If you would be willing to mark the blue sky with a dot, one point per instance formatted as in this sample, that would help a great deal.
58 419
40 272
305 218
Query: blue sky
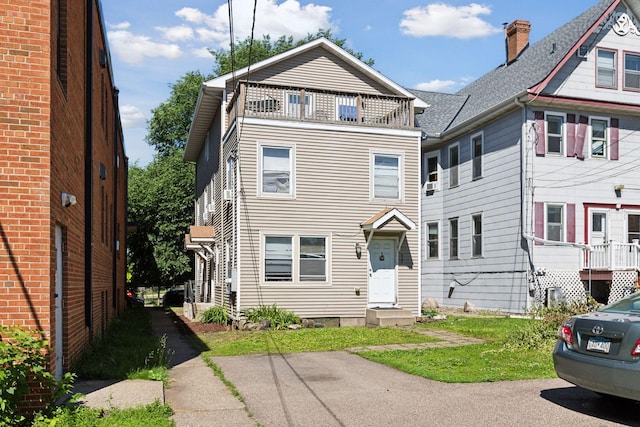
429 45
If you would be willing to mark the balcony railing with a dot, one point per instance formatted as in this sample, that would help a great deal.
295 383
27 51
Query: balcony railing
612 256
325 106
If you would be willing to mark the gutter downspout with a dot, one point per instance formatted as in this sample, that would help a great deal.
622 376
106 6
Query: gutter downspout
88 172
116 164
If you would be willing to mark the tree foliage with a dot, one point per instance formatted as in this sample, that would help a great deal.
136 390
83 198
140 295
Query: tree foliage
168 128
246 52
161 204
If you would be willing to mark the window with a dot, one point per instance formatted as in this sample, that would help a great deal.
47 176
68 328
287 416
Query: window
313 259
432 240
555 139
555 223
599 138
432 169
476 244
606 68
386 176
454 161
476 155
295 105
347 108
632 71
61 43
453 238
230 174
310 253
633 228
276 168
278 259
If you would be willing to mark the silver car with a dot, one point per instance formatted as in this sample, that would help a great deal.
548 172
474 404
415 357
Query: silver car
600 351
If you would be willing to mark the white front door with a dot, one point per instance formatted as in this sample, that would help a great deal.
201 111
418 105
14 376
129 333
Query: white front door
599 228
382 273
58 304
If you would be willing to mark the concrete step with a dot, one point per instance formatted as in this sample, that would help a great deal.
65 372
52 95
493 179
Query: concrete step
389 317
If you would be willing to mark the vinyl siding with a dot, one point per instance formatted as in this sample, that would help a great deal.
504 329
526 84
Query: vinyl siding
332 198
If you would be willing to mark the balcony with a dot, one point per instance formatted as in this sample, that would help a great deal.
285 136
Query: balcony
612 256
277 102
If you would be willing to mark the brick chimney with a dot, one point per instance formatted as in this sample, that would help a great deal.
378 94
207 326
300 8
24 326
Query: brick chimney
517 38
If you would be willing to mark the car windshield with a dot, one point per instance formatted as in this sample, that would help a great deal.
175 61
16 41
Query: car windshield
630 305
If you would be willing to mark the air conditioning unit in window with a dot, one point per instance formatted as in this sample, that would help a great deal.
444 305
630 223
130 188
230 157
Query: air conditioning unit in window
227 195
431 186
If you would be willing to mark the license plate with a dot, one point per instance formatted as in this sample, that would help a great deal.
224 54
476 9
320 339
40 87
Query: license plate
599 344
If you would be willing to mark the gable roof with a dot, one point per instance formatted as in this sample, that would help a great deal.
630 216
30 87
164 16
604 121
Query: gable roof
502 85
211 92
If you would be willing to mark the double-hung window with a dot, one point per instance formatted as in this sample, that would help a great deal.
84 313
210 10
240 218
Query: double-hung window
433 237
555 223
606 68
347 108
555 134
476 238
453 238
632 71
476 155
309 253
276 174
599 137
386 176
454 161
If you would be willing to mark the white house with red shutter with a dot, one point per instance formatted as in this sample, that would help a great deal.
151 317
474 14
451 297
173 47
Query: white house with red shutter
530 173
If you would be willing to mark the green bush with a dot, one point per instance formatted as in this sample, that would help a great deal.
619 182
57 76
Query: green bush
217 315
24 364
279 318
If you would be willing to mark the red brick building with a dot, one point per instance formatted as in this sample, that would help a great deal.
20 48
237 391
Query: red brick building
63 175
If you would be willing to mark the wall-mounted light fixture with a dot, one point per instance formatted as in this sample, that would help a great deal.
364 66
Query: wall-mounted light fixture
618 189
68 200
358 251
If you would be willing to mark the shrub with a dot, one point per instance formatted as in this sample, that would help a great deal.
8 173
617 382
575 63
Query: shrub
23 366
279 318
217 315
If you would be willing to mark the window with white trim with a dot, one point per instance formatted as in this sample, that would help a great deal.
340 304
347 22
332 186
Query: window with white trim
386 176
453 238
555 133
454 161
433 238
308 251
555 223
631 71
599 137
606 68
295 105
276 170
476 235
477 148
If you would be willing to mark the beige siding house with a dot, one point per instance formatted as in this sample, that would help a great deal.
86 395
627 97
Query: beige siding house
308 178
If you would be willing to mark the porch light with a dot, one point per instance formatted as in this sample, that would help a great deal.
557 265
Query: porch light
358 251
618 190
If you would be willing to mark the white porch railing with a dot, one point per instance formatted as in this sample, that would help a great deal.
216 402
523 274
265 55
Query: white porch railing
612 256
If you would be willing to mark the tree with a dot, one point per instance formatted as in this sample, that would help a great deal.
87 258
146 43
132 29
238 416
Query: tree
161 204
246 51
168 128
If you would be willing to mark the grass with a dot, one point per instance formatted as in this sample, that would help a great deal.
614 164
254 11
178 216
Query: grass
234 343
495 360
128 350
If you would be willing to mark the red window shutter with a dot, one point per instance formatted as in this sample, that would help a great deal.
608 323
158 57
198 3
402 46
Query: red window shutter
571 223
571 135
539 220
580 136
614 137
541 142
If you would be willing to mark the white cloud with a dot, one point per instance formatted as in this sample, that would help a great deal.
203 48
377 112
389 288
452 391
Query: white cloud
440 19
132 117
202 52
281 19
133 48
121 26
178 33
438 86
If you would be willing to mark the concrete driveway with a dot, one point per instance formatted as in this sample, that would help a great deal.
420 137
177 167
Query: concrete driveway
342 389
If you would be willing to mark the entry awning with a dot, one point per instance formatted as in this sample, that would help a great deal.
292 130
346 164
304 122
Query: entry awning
200 239
389 218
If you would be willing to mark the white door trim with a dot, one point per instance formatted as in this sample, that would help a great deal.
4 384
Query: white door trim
382 284
59 348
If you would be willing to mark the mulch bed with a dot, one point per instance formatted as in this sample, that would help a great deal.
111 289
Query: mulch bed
187 327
